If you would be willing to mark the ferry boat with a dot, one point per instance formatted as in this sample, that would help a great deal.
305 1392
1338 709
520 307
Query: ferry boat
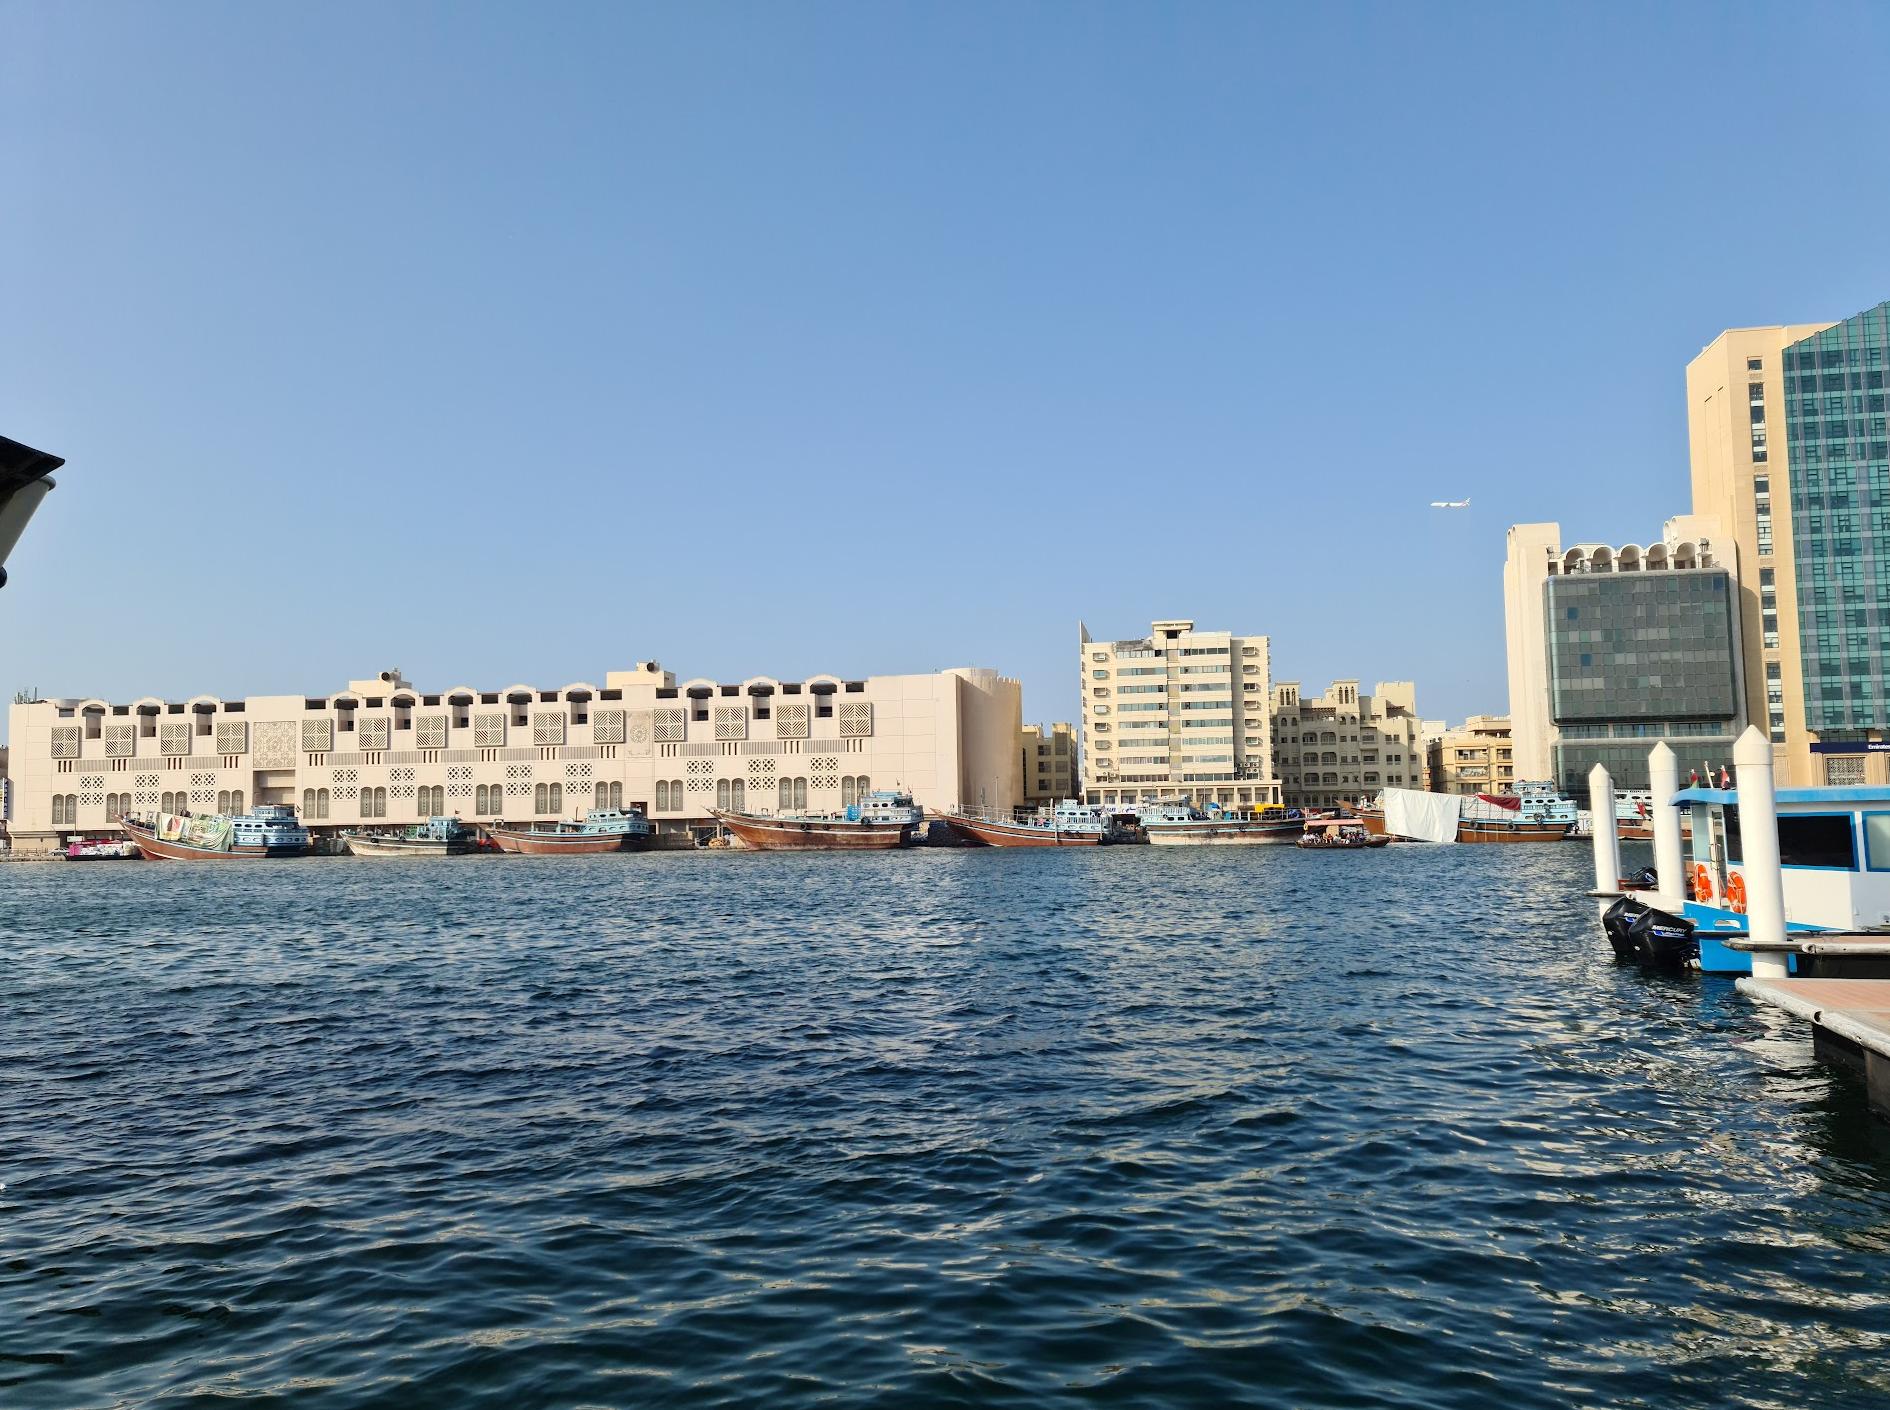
1532 812
436 837
602 830
1069 824
265 831
1339 834
1834 844
886 819
96 849
1182 825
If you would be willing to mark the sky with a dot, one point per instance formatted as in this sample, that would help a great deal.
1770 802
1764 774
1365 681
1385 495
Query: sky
517 343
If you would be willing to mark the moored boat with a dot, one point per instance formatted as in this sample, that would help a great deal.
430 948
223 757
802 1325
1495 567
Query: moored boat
1535 812
264 831
96 849
884 820
601 830
1182 825
1339 834
1069 824
436 837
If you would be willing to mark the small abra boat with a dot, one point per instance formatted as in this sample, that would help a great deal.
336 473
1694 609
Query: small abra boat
1181 825
267 831
1340 835
886 819
1070 824
602 830
436 837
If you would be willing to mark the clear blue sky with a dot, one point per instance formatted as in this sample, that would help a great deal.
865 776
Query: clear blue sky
518 342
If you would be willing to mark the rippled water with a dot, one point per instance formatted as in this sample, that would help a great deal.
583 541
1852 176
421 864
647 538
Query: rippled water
1126 1127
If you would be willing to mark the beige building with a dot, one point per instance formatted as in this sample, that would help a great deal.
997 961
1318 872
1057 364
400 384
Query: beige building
1048 760
1476 757
1343 745
1738 445
382 750
1177 714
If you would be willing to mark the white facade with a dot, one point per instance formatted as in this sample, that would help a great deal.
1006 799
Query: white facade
1177 714
381 750
1344 745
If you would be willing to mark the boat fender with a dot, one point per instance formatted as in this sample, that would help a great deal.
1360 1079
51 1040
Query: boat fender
1736 894
1702 884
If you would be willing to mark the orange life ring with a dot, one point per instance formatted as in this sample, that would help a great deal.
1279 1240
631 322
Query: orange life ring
1702 883
1736 893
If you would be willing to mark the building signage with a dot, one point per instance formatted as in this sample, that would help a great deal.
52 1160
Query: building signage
1851 746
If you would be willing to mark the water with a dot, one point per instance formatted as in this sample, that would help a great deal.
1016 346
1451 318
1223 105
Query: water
1126 1127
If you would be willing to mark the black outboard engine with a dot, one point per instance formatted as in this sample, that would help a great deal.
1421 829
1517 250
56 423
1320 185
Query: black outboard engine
1617 920
1647 877
1663 941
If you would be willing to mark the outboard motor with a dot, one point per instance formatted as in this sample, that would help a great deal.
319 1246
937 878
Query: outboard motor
1663 941
1617 921
1647 877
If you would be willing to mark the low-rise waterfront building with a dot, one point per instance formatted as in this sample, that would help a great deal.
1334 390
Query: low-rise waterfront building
383 750
1476 757
1179 714
1343 745
1613 648
1047 757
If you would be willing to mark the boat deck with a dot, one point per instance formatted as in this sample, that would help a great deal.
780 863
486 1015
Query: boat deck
1850 1024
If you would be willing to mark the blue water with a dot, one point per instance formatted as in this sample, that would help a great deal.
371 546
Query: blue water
1127 1127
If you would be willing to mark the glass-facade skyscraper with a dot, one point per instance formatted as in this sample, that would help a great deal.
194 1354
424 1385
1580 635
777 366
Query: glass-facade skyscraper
1839 476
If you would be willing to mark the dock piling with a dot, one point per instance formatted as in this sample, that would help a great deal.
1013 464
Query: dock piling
1758 832
1663 777
1606 831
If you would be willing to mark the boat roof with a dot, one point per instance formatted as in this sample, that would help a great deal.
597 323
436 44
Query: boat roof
1865 794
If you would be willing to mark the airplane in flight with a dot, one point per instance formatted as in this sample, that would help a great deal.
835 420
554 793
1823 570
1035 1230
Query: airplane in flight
1450 504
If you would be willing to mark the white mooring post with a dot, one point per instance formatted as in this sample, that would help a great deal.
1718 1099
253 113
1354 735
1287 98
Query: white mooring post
1607 833
1758 836
1663 777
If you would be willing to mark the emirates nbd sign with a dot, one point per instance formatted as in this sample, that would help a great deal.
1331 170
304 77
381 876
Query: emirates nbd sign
1850 746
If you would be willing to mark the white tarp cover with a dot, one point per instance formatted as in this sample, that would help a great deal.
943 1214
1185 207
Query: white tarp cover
1423 817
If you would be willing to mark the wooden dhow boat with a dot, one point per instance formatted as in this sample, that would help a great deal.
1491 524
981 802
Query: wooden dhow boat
1182 825
1535 812
1069 824
1340 834
602 830
267 831
884 820
436 837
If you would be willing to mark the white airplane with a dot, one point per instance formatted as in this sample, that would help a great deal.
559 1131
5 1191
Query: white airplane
25 479
1450 504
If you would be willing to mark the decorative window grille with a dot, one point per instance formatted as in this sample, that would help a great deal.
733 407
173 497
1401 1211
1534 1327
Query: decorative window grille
702 775
430 732
489 730
65 742
607 727
669 726
761 773
791 719
548 727
174 738
374 732
824 772
459 781
731 722
856 717
120 741
577 777
318 736
233 737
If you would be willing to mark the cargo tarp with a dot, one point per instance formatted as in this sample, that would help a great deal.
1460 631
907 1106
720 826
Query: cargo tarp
1422 817
210 833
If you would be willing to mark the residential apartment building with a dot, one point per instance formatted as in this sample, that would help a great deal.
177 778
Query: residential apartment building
1343 745
1476 757
1177 714
1048 760
1740 442
382 750
1614 648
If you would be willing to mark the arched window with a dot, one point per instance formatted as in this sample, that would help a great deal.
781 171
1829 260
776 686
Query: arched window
557 798
675 794
58 809
541 799
433 801
800 793
785 792
374 802
721 794
223 801
616 796
736 792
662 795
482 798
321 802
846 791
862 786
236 800
602 795
308 802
